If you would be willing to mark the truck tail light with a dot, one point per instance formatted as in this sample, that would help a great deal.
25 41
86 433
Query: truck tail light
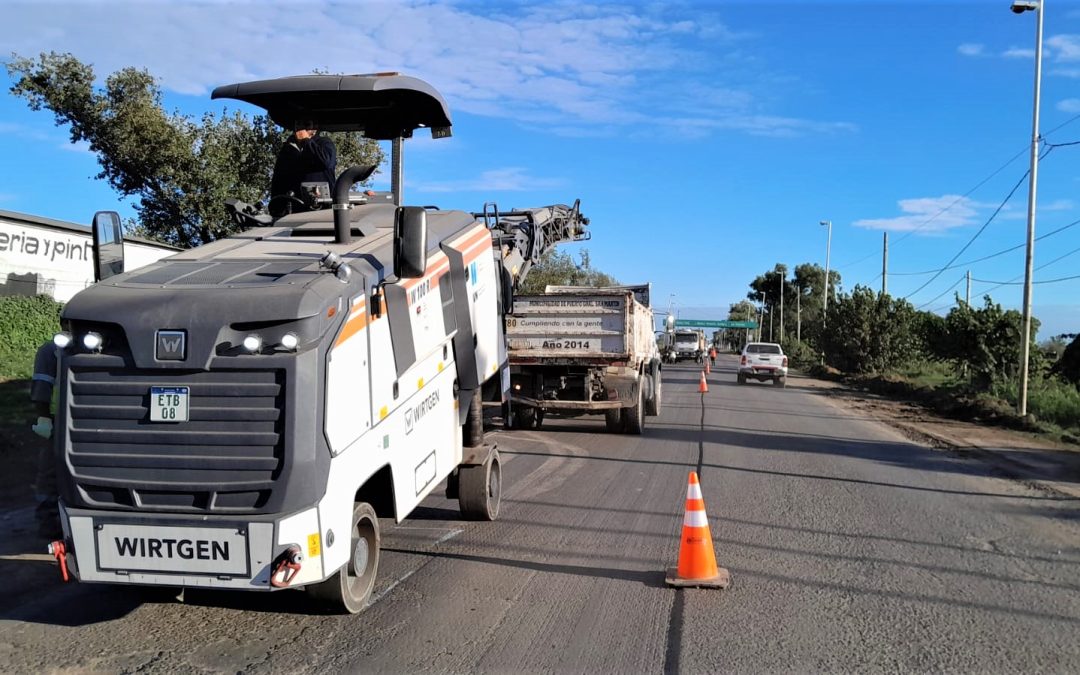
785 362
742 361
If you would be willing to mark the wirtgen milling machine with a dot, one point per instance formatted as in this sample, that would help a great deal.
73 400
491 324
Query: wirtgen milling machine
240 414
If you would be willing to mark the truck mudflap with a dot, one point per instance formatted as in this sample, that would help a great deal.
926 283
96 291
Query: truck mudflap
193 552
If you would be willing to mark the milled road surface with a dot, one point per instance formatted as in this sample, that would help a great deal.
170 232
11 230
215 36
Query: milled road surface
851 549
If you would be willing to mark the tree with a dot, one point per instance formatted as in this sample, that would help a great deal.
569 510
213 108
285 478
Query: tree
742 310
1068 366
179 171
869 332
557 268
984 342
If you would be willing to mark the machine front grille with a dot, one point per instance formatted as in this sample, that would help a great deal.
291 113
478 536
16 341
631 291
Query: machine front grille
226 458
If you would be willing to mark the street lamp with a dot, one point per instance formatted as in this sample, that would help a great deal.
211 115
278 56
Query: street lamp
1019 7
828 247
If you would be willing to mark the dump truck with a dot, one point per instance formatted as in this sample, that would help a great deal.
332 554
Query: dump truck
687 345
576 351
241 414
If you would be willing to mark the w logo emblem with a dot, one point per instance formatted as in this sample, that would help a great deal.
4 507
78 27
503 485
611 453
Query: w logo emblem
170 345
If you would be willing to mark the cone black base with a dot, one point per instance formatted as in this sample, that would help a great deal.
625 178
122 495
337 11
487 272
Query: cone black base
721 580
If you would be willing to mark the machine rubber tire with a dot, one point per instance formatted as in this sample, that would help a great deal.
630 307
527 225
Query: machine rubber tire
634 417
524 418
348 590
473 430
653 405
741 378
480 489
780 382
452 483
613 420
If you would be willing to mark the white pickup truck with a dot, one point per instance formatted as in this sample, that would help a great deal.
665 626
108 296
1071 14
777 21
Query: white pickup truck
576 351
763 361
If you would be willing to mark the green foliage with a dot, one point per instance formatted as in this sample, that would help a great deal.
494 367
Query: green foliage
868 332
1049 400
25 322
179 170
984 343
801 356
557 268
1067 367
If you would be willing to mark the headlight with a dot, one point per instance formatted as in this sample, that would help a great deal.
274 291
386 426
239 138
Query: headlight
290 341
62 340
252 343
92 341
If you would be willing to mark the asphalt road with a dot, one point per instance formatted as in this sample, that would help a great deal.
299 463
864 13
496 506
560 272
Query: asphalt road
850 548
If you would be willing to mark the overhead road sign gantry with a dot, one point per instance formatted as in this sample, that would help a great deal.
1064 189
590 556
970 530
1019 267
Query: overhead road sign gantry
719 323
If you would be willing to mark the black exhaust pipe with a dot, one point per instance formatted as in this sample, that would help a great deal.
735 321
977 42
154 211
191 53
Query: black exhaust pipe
342 226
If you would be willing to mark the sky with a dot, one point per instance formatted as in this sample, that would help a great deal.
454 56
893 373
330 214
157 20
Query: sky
706 140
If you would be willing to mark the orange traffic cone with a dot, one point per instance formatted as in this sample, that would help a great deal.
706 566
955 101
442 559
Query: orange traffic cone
707 369
697 560
703 386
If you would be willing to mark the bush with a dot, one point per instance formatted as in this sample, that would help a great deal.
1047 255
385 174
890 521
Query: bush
801 356
1049 400
25 322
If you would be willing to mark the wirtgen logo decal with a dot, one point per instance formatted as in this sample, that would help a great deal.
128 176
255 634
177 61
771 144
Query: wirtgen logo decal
417 412
170 345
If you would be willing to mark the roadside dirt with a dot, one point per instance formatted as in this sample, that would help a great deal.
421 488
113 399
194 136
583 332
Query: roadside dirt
1026 456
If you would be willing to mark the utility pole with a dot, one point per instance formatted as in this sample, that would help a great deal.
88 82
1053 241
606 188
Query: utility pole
967 296
798 314
761 316
885 265
783 281
772 310
1025 336
828 248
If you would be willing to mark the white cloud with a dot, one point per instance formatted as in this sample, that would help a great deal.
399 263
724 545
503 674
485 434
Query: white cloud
80 147
928 215
1058 205
1019 53
566 65
1069 105
509 179
1063 48
971 49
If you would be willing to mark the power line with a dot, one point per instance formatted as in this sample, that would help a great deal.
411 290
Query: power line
976 235
988 257
946 208
1018 283
1042 138
958 282
1014 281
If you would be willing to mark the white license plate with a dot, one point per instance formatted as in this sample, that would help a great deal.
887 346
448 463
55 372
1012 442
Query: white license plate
188 550
169 404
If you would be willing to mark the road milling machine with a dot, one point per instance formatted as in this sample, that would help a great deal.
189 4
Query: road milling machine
241 414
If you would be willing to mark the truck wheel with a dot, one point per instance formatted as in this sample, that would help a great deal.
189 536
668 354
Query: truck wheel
524 418
652 406
474 423
779 382
741 378
634 417
452 485
350 587
480 489
539 417
613 420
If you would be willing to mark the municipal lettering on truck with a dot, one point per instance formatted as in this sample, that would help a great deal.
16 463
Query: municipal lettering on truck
577 351
240 415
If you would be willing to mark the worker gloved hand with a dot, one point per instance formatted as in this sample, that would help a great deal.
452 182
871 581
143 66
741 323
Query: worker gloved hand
43 427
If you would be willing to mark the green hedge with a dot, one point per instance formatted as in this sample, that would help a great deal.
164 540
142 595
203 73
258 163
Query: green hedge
25 322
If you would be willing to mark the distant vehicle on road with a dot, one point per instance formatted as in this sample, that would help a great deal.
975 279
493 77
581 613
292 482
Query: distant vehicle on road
763 361
687 345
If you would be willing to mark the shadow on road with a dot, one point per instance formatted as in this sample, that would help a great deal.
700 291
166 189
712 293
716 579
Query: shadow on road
650 578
